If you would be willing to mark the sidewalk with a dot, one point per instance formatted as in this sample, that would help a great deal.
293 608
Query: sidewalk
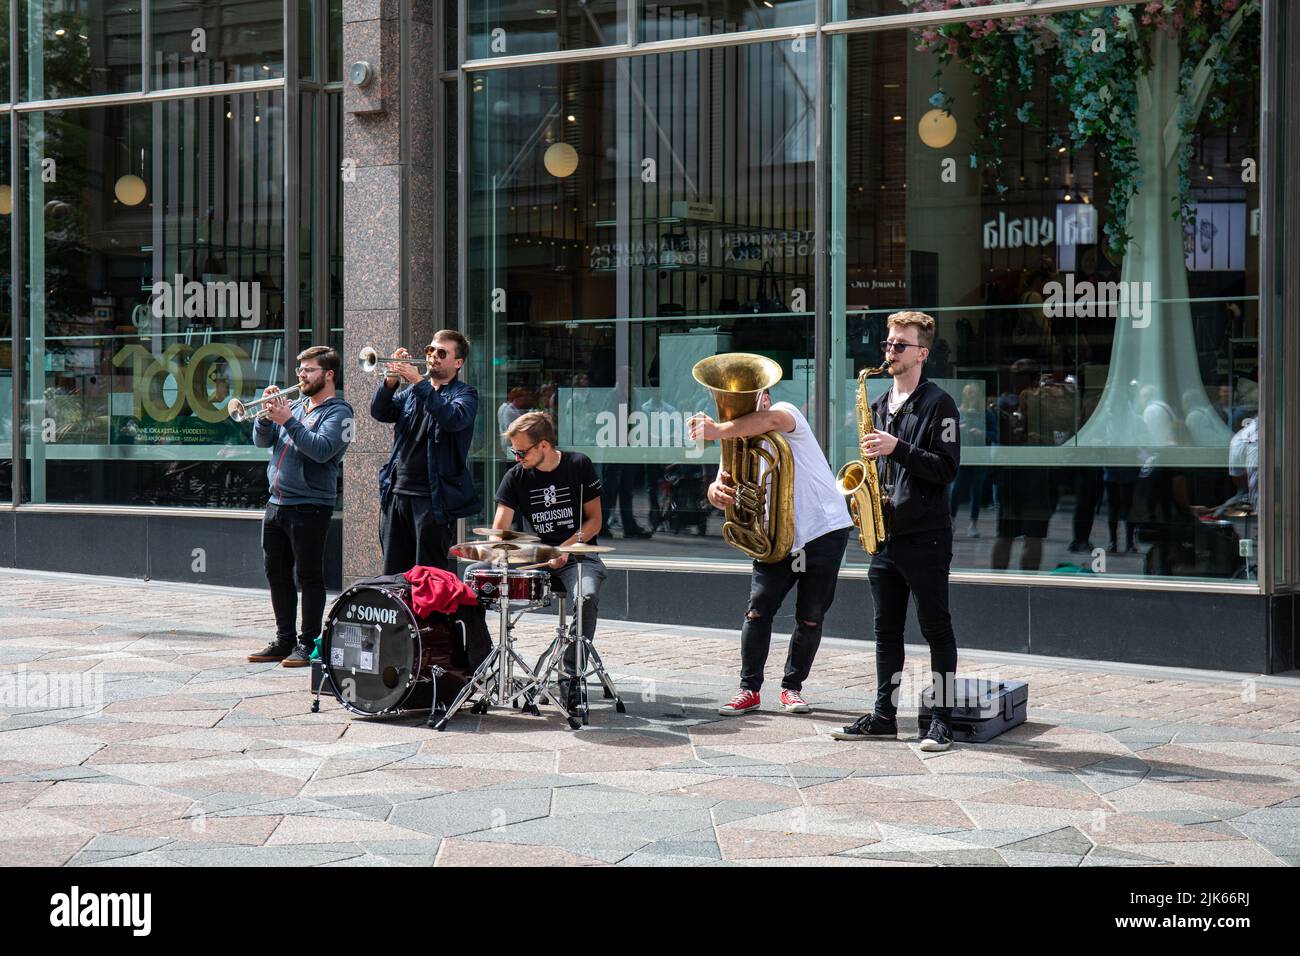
194 757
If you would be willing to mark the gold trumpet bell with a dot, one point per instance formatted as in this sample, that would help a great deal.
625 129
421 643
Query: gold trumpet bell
736 379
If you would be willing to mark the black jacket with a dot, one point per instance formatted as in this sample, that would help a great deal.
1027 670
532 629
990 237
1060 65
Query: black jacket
915 477
452 492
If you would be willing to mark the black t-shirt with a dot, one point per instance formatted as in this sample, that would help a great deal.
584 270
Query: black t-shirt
547 498
411 477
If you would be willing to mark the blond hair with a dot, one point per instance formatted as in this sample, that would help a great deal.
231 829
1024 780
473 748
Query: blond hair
538 426
923 324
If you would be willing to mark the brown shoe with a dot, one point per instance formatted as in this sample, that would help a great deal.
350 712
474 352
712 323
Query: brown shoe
275 651
300 656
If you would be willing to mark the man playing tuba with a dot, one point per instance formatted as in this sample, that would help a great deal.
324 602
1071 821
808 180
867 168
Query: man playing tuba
821 532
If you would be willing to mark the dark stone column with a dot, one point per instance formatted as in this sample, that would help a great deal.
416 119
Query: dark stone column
390 250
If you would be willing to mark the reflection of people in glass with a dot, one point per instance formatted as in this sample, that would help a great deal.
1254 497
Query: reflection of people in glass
975 423
307 440
1243 460
1026 494
518 400
1120 482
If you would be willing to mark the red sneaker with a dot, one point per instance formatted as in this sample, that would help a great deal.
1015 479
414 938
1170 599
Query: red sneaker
742 703
792 703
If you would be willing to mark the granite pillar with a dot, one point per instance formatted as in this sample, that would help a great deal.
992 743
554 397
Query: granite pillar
390 252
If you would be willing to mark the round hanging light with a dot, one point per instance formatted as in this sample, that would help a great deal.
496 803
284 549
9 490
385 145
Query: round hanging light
937 129
130 190
560 160
6 201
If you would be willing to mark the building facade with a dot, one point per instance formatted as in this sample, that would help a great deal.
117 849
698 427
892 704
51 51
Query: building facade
1091 199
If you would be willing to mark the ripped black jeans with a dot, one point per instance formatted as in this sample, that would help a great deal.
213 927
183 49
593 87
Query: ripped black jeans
770 583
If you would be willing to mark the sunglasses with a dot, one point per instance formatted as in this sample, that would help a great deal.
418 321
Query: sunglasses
440 353
520 455
897 346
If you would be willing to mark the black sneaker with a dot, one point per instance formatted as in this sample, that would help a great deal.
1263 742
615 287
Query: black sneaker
869 727
937 738
300 656
571 691
275 651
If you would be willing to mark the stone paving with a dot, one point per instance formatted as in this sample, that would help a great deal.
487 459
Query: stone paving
182 754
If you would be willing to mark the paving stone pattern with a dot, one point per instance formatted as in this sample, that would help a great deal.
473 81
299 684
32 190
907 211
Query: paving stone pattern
194 757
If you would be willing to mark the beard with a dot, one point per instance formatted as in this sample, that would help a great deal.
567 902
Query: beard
311 388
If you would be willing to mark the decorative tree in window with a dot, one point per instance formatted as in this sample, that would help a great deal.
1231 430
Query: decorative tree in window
1135 81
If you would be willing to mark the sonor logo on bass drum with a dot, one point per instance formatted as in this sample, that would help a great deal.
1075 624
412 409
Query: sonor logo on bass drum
379 615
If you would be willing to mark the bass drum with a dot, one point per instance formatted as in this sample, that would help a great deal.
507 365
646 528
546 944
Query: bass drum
378 656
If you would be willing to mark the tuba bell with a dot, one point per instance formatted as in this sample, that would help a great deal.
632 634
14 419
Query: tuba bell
760 522
859 480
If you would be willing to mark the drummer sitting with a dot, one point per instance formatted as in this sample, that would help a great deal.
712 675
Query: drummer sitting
544 485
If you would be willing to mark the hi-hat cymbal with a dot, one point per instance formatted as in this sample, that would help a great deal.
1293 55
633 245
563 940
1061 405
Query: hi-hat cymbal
485 551
581 548
506 534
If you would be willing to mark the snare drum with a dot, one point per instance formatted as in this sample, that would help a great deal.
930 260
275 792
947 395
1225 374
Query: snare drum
522 588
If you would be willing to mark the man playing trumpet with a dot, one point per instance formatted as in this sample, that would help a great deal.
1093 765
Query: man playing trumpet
307 440
426 484
821 531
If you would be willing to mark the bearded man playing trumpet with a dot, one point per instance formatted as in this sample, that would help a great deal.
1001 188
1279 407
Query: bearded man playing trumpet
426 484
811 567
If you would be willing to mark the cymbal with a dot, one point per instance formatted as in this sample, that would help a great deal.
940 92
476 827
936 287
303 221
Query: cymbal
484 551
506 534
581 548
524 552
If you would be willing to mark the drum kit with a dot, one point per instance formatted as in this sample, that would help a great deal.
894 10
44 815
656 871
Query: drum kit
504 678
382 659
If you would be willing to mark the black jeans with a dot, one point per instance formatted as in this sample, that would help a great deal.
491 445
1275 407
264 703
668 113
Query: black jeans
917 565
411 537
769 584
293 545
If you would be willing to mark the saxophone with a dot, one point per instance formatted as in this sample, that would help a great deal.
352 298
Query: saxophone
859 481
760 522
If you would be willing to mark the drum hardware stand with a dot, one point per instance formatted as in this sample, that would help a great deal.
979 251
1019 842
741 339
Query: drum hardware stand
494 679
552 659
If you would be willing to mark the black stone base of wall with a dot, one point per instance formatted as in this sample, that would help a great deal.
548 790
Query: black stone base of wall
158 547
1232 632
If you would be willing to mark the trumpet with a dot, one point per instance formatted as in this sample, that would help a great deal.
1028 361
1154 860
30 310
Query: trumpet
369 359
256 410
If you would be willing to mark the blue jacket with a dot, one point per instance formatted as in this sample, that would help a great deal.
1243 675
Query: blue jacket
306 452
451 489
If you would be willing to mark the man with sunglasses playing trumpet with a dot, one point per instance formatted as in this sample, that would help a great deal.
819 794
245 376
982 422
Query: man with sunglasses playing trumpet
426 484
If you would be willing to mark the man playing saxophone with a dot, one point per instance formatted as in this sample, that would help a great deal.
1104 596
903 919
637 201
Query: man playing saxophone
917 448
821 531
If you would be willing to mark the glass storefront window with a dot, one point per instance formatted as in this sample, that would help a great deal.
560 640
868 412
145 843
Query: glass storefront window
855 9
1095 282
230 41
629 217
670 20
82 50
154 295
4 51
514 27
6 319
